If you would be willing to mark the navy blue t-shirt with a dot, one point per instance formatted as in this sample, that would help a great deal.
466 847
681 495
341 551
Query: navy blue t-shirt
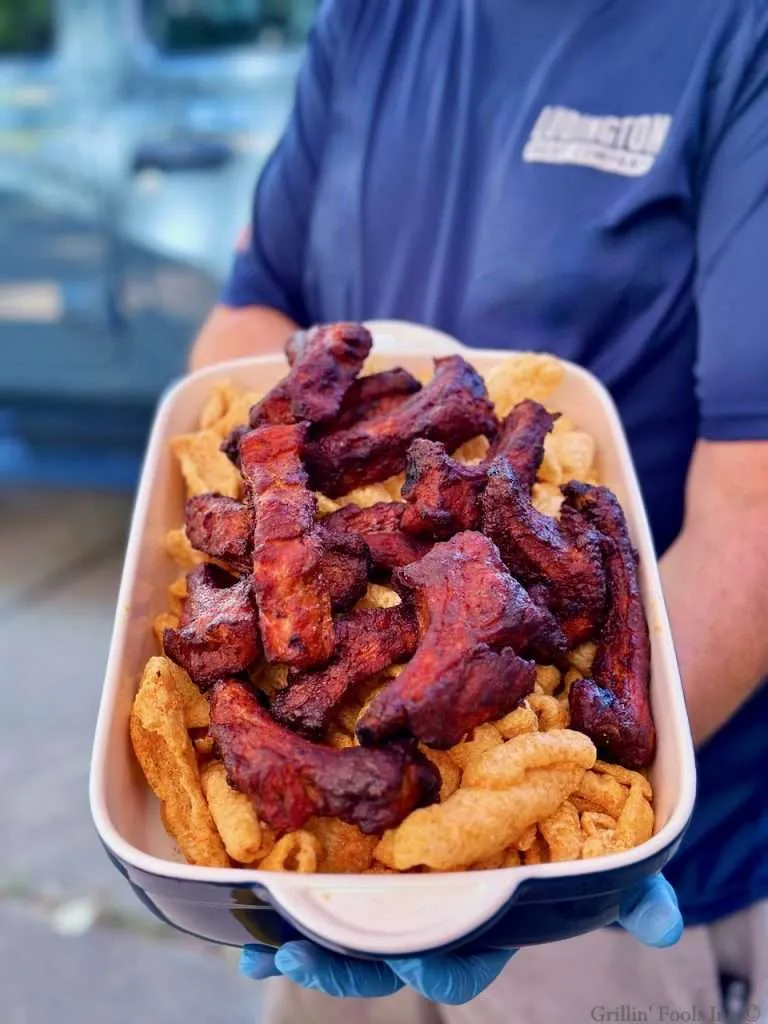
584 177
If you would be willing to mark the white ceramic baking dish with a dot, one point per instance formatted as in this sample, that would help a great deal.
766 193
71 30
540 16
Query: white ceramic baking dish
368 915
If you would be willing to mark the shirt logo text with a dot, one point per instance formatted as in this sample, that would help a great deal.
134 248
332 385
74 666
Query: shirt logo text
616 145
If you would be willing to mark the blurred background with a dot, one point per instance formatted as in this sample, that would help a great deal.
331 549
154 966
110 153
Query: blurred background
131 135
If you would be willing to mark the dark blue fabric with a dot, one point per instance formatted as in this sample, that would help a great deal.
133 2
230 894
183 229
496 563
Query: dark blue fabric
437 169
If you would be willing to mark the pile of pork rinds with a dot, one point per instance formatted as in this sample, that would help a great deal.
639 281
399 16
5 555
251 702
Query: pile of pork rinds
525 789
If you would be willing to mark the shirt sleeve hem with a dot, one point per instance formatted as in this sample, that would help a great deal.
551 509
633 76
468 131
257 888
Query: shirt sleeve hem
734 428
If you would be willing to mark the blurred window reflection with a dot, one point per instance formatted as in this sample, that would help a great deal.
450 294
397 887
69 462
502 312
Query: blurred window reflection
183 26
26 27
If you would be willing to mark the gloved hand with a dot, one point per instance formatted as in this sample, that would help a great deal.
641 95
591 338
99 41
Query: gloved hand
649 912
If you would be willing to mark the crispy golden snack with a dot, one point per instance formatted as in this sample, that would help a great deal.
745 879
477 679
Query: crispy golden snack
551 713
195 705
562 833
227 408
344 849
370 494
233 814
568 456
520 376
204 748
476 823
537 852
506 766
161 622
177 595
633 827
595 822
324 505
547 499
377 596
521 720
297 851
600 792
167 757
548 679
204 466
450 773
581 657
178 548
483 738
511 859
527 839
625 776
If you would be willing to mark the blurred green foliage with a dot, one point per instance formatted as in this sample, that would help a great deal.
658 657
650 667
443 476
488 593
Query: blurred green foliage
26 26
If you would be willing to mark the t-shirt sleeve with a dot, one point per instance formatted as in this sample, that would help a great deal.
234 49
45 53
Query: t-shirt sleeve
268 266
732 241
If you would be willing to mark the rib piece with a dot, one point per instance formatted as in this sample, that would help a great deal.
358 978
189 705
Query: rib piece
474 618
218 633
452 408
444 496
521 440
379 526
367 641
344 566
294 602
613 707
378 394
325 363
558 561
290 779
222 528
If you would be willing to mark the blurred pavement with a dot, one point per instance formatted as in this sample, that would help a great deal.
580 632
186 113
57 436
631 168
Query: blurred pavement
75 944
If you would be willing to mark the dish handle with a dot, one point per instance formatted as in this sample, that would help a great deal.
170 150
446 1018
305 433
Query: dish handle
397 335
384 920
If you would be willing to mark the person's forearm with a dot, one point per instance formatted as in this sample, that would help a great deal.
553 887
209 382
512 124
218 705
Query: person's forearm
231 333
714 583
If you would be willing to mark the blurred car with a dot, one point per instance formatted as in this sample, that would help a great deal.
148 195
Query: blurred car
131 134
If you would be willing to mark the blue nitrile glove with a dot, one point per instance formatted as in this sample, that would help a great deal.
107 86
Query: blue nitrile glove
649 912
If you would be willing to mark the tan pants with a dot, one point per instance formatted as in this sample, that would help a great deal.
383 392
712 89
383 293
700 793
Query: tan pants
603 977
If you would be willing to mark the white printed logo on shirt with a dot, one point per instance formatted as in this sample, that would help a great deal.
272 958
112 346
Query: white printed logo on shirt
616 145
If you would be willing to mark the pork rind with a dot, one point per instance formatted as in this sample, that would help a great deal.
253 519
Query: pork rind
226 408
523 375
204 466
234 816
633 827
178 548
567 456
476 823
297 851
562 833
167 757
343 849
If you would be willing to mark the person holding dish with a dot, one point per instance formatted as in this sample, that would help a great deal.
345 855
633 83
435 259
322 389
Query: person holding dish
588 179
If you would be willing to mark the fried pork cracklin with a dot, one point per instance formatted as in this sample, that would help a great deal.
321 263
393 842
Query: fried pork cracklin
452 408
443 495
218 631
367 641
291 779
474 619
559 561
294 602
613 707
